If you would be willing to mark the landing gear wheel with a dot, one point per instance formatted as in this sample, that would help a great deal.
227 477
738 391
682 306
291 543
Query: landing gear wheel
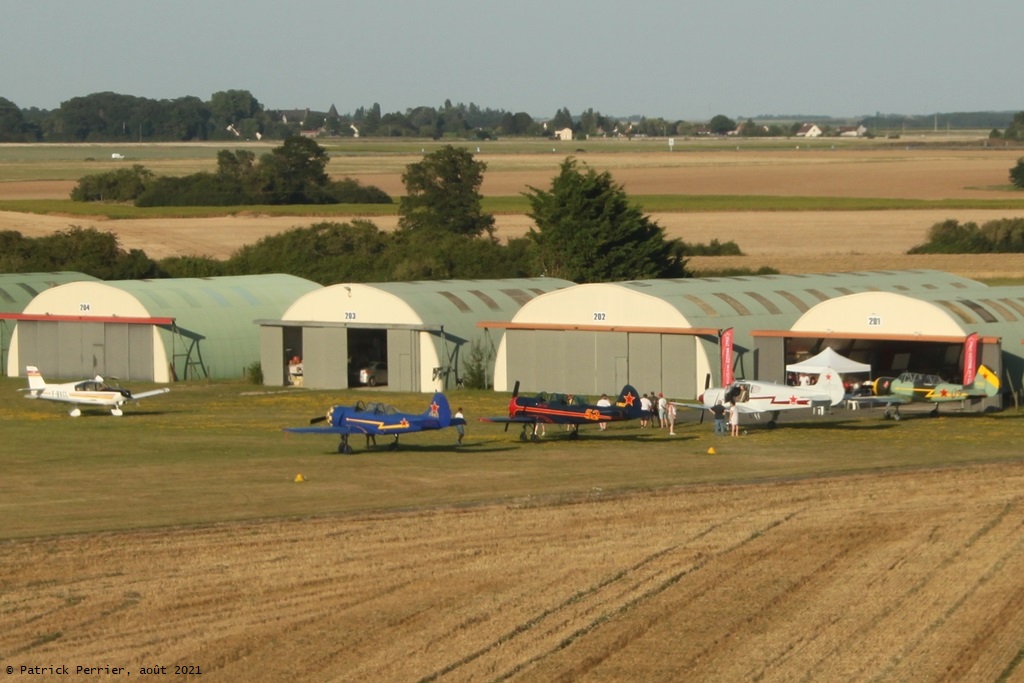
343 446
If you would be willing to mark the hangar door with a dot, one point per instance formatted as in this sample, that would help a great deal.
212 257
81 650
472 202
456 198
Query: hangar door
76 350
575 361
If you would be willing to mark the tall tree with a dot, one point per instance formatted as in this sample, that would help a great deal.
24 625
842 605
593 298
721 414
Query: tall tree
588 231
443 195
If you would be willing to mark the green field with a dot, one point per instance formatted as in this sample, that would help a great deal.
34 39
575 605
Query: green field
214 452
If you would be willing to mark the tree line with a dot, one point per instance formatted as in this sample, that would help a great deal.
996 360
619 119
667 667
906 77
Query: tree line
238 114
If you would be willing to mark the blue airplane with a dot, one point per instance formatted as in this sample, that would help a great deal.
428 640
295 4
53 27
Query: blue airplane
372 419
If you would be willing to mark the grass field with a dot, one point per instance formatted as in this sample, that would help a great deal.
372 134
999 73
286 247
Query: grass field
834 548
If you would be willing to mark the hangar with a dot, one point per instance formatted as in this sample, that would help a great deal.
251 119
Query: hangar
17 290
150 330
924 332
423 332
664 334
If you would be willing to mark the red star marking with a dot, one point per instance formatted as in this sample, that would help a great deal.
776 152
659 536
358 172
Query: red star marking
434 408
943 393
629 399
404 424
793 400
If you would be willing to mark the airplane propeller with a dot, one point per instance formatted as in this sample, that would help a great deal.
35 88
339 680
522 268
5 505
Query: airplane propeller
707 385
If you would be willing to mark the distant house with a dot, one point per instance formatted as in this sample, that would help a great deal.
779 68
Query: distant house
852 131
809 130
564 134
294 115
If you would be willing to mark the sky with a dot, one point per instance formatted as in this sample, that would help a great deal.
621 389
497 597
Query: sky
673 60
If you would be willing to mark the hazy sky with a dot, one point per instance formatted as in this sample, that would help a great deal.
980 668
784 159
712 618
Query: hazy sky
677 60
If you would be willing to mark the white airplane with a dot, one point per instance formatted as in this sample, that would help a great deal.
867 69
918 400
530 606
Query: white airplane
87 392
754 397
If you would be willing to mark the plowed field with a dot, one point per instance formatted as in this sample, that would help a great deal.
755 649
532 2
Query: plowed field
887 577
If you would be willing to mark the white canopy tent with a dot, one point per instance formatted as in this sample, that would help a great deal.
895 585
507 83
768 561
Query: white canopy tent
828 360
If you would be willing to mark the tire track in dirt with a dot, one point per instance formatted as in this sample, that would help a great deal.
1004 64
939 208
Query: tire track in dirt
595 605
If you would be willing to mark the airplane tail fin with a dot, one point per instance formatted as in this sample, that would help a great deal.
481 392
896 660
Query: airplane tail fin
36 383
629 398
440 410
986 381
831 382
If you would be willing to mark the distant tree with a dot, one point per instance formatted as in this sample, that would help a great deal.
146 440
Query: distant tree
1015 131
12 122
1017 174
294 173
561 119
721 124
85 250
588 231
443 195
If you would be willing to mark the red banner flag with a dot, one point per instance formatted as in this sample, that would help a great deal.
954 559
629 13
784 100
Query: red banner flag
725 344
970 358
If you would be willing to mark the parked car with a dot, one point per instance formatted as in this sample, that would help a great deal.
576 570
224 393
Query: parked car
375 372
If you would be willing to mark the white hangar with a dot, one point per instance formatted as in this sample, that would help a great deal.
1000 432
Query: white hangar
926 332
150 330
664 334
423 332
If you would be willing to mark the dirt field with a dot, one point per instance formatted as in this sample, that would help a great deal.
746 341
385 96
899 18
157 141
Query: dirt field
890 577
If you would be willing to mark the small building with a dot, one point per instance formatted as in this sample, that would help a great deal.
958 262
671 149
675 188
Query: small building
424 334
150 330
565 134
809 130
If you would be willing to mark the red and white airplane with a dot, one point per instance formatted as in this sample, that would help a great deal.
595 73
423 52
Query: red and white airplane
87 392
754 397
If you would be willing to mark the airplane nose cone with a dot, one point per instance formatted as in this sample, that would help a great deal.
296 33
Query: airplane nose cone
701 398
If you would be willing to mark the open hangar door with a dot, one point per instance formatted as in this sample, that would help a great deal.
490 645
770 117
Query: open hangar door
887 356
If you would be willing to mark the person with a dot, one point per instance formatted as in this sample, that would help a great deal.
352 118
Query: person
663 410
603 402
645 405
734 418
670 412
461 427
718 412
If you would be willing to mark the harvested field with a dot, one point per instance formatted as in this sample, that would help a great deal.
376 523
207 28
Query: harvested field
886 577
790 241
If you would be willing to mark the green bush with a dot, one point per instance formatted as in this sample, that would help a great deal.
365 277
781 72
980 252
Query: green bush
1004 236
122 185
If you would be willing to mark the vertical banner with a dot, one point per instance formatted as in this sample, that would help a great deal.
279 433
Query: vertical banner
970 358
725 345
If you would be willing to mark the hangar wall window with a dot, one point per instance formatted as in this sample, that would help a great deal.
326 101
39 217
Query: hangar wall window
1014 305
459 303
980 310
517 295
764 301
822 296
736 305
704 306
958 312
491 303
800 305
1000 309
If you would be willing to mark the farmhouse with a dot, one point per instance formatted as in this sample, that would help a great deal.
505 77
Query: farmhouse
422 332
809 130
150 330
664 334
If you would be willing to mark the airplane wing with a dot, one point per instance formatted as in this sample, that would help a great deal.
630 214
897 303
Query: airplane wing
515 420
147 394
891 399
321 430
696 406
